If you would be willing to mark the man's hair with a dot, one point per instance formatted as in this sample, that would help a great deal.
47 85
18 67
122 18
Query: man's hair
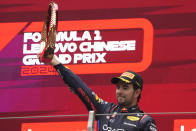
135 87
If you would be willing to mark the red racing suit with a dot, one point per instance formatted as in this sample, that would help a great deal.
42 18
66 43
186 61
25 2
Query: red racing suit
114 122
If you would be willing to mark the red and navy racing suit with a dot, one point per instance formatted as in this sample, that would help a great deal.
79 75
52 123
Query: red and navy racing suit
114 122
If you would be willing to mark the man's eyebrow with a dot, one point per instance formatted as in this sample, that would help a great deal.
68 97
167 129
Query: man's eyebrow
124 84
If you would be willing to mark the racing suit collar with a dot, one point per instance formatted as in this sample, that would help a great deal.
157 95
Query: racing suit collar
129 109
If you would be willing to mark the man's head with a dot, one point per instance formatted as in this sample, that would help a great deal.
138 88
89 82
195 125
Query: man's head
129 86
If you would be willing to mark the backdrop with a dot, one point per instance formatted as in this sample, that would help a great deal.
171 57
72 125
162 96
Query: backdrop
99 40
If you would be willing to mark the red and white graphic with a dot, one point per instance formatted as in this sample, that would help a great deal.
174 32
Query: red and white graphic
56 126
185 125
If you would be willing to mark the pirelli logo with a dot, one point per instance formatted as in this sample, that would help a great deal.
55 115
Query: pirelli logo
128 74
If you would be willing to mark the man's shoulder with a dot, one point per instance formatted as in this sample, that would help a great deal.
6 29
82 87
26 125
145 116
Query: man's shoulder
147 122
109 107
146 117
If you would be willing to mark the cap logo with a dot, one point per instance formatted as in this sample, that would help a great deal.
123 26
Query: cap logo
128 74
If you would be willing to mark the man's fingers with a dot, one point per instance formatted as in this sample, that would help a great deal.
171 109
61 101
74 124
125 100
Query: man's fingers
39 55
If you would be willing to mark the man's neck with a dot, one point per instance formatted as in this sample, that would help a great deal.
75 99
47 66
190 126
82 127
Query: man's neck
131 105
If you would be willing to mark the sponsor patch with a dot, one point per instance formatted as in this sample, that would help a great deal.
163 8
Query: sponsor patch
129 124
133 118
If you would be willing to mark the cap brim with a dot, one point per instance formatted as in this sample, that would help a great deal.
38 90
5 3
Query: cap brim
115 80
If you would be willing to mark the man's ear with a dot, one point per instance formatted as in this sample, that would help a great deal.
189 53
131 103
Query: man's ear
138 92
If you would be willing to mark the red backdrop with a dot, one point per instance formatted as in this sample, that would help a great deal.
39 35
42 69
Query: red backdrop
169 81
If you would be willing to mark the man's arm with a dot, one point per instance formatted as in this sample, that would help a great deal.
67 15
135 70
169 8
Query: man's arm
88 97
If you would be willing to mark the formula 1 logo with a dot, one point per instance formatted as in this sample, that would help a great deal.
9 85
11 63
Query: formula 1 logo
91 46
185 125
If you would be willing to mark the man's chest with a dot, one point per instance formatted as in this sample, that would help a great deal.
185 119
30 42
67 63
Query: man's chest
117 122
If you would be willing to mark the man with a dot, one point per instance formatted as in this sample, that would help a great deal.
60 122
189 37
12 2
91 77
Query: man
128 92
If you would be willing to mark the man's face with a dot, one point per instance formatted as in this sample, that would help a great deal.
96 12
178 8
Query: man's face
126 95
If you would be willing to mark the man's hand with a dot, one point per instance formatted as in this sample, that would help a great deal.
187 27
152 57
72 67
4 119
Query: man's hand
53 59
